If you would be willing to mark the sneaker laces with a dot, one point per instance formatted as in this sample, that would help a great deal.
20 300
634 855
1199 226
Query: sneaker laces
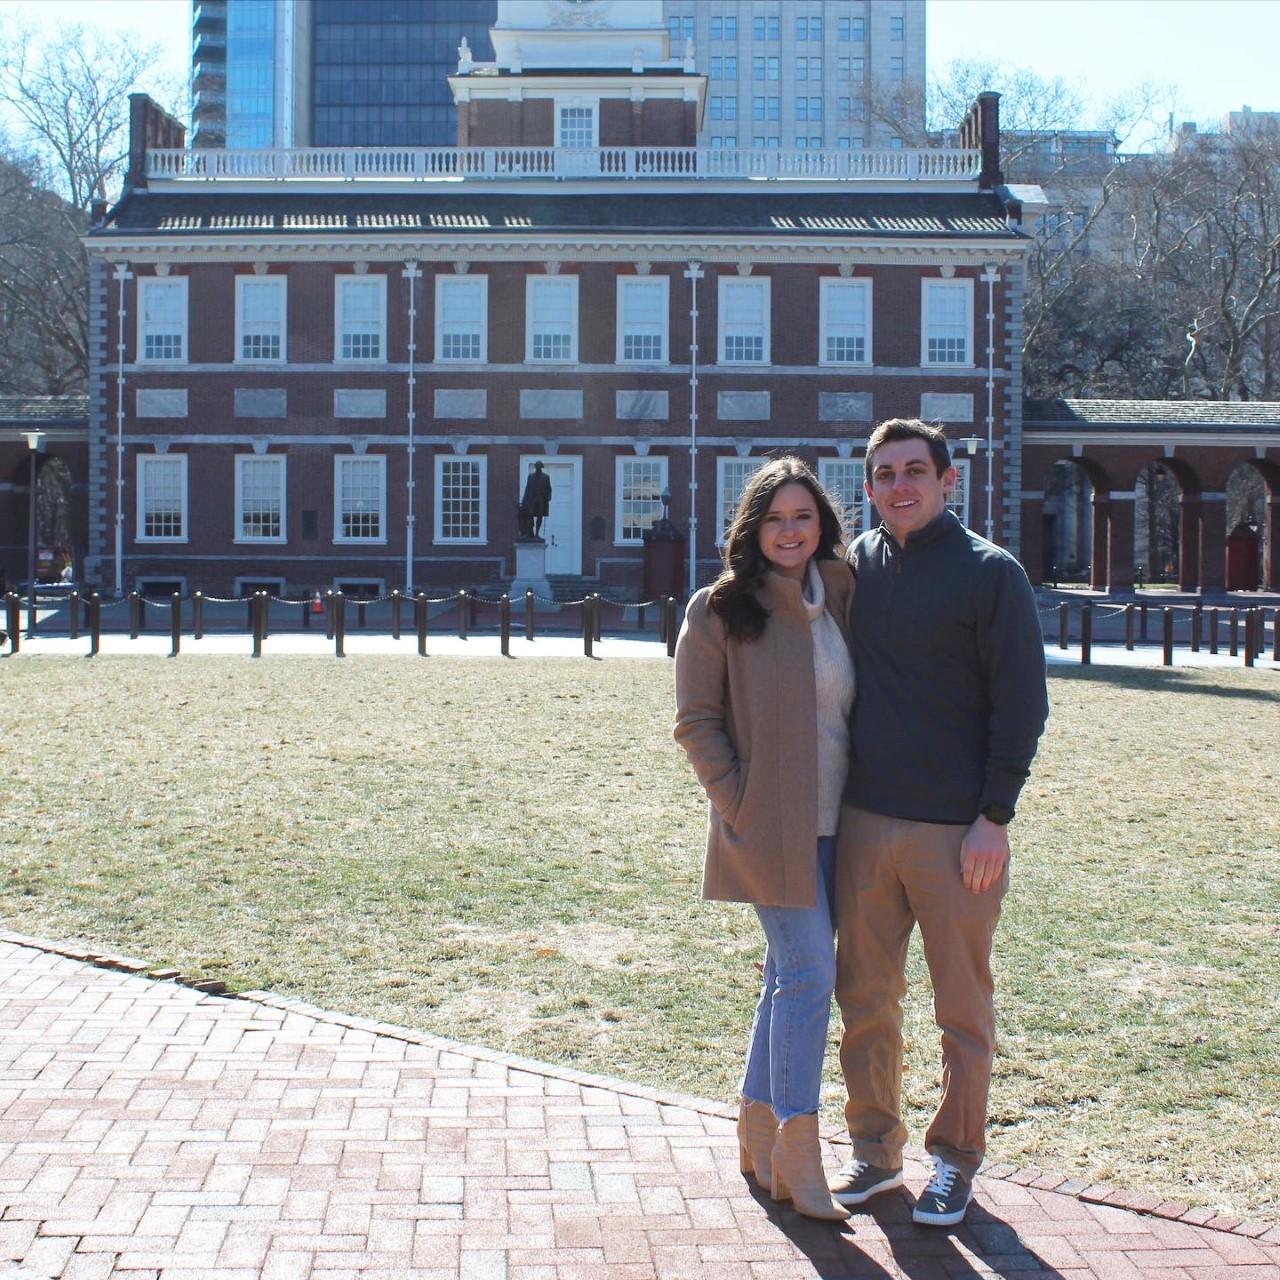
944 1175
855 1168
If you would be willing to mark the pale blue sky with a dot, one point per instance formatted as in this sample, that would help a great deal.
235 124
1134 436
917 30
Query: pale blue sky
1219 54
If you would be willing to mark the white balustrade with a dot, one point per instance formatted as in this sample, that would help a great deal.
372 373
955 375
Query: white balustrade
426 164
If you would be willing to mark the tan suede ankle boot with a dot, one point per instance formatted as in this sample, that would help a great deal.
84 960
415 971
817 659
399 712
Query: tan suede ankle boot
757 1132
797 1170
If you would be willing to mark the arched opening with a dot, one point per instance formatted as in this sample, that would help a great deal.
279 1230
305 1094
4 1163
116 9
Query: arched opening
1253 523
1157 524
1067 524
55 544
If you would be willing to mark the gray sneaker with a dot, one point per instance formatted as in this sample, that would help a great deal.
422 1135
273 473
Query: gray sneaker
858 1181
944 1201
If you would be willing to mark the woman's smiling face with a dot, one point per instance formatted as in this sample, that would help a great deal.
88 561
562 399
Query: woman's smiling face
790 530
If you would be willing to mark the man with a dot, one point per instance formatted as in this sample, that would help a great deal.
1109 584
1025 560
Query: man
536 502
951 704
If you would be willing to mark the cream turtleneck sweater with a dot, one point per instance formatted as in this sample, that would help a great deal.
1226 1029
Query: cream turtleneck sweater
834 684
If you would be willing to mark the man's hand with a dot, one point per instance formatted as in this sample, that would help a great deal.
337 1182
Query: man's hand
984 853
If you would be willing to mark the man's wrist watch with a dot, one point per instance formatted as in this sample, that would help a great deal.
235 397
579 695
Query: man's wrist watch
1000 814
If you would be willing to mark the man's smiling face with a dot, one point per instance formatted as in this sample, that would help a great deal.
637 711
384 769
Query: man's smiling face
906 487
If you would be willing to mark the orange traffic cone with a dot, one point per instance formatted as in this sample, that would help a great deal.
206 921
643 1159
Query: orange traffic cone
317 605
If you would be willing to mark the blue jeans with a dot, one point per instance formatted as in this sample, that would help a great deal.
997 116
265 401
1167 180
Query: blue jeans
789 1033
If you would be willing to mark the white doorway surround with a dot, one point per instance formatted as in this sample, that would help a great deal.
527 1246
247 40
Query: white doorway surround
562 529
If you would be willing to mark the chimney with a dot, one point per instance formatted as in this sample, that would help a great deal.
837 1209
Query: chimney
150 128
980 131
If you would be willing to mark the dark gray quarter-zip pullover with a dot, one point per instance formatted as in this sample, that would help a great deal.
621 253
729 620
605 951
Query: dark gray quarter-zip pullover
951 677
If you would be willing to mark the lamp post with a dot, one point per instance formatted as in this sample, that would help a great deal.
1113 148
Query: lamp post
971 444
693 275
34 440
412 274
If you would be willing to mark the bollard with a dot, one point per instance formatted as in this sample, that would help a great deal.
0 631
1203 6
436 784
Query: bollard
504 623
255 622
462 615
396 599
134 611
528 615
264 620
330 609
596 610
73 616
1197 625
1275 635
420 622
1213 631
339 624
1142 622
1064 625
472 607
588 627
1235 632
1250 636
306 614
175 624
1128 625
640 617
197 616
1086 634
1167 637
31 609
671 626
662 619
95 624
13 621
360 613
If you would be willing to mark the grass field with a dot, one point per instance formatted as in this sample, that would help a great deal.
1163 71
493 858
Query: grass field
510 852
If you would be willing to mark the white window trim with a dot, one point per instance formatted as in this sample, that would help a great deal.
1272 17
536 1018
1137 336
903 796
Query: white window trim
151 282
339 460
926 285
443 283
279 459
665 282
144 462
721 467
283 283
531 285
829 285
579 103
865 507
722 284
963 474
340 283
618 468
437 529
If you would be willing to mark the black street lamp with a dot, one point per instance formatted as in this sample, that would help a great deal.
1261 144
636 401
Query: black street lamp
34 440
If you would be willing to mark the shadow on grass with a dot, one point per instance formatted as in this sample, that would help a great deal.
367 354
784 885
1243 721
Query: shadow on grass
882 1232
1167 680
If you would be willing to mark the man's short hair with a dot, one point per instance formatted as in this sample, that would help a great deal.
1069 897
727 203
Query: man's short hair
910 429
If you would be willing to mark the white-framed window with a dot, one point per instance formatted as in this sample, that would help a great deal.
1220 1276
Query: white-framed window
162 319
261 308
958 498
844 321
359 498
360 318
162 497
732 475
551 318
462 318
639 483
461 499
946 322
260 490
744 319
842 478
576 125
643 319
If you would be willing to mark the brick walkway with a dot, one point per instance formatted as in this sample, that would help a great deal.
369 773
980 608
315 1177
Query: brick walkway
152 1132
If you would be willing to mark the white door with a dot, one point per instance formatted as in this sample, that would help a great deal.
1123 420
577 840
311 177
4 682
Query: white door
562 529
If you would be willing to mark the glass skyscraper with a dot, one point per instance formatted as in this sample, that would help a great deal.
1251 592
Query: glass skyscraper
251 73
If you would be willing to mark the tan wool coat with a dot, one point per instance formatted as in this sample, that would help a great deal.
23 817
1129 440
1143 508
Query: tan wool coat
746 714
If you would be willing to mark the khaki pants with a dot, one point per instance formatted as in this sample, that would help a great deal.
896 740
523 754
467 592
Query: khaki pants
892 874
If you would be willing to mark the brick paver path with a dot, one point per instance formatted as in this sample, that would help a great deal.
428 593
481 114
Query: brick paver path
150 1132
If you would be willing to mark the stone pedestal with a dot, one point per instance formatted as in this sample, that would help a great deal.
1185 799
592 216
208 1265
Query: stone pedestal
531 571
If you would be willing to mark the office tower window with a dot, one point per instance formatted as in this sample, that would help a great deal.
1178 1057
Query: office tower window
724 108
462 305
844 321
896 68
802 68
359 498
808 109
858 30
744 320
842 109
162 497
757 68
250 73
763 28
842 30
730 26
461 514
639 483
731 68
551 318
259 498
642 319
946 326
260 318
896 27
360 312
774 68
162 319
679 29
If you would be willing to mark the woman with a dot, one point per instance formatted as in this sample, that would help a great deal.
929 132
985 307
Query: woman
764 684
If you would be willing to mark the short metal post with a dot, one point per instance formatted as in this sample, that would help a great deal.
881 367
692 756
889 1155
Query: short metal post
1275 635
361 616
330 611
640 617
1197 626
1213 631
462 615
1086 634
396 600
13 621
197 616
1064 625
671 626
135 609
528 615
175 624
597 608
1250 637
306 614
1128 625
1167 637
504 623
420 622
1235 632
662 619
73 617
95 624
264 621
1142 621
31 608
588 627
255 622
339 624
